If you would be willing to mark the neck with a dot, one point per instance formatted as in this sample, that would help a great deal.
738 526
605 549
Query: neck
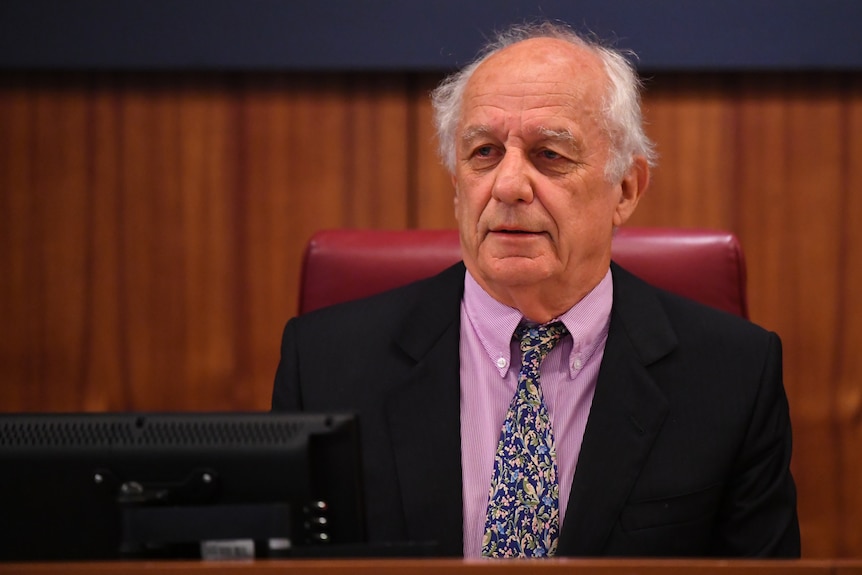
543 301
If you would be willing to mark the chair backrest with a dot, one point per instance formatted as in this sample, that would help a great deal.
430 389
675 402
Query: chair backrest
345 264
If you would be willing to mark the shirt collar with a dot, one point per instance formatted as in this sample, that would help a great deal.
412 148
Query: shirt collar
495 322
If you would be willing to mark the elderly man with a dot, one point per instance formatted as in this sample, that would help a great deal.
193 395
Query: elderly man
537 399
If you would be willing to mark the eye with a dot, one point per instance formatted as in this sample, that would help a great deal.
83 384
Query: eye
552 162
484 156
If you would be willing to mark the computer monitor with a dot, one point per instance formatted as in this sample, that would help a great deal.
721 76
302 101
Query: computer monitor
212 485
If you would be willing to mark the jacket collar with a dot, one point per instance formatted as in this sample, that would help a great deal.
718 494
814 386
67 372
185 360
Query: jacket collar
424 416
626 415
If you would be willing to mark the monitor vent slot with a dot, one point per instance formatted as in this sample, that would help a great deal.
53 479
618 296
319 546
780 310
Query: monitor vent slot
144 432
205 433
63 434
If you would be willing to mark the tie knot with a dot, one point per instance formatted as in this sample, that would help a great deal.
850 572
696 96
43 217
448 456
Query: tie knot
540 338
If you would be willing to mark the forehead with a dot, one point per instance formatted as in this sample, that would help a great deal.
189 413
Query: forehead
535 82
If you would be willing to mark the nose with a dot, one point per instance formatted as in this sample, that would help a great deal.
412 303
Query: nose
512 182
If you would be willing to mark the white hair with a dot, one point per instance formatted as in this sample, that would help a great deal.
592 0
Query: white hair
621 109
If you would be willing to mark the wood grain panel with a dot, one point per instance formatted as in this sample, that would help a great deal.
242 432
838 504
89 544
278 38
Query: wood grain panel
692 123
45 230
18 354
315 152
846 372
432 188
152 228
792 229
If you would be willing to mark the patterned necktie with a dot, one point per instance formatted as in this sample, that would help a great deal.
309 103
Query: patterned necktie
523 518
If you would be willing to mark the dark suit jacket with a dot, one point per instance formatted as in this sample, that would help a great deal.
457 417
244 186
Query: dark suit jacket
686 450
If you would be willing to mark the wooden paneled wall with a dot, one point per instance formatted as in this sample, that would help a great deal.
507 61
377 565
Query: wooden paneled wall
152 228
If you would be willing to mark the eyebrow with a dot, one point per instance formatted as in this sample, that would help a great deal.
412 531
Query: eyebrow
564 136
474 132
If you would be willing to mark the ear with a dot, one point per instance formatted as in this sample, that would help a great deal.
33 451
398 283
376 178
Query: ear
632 186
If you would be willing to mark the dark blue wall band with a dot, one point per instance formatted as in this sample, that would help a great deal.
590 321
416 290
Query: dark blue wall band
417 35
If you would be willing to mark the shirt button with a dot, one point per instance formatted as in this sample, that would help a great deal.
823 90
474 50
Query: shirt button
577 364
501 362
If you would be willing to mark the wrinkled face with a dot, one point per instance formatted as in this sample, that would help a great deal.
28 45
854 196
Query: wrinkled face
532 202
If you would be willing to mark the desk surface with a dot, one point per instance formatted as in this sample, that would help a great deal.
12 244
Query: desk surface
445 566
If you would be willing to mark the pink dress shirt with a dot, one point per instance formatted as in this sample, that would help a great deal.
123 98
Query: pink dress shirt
490 361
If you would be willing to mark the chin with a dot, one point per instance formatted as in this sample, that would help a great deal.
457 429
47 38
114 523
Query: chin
516 271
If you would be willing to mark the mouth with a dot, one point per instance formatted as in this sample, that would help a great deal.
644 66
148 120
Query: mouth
512 231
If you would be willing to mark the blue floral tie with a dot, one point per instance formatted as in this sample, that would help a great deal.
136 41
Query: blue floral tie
523 518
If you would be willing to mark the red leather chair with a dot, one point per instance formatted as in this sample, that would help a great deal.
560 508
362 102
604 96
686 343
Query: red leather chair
343 264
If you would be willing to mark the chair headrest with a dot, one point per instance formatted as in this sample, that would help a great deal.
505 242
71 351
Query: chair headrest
344 264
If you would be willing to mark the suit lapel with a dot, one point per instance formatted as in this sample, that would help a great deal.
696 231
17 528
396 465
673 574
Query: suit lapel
424 417
627 412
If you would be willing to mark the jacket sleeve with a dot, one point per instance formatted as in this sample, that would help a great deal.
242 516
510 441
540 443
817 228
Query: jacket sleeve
286 395
759 517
